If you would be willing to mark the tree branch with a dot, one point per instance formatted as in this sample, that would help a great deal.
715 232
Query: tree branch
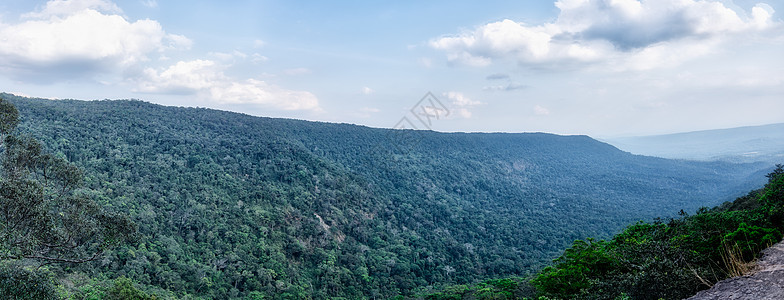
64 260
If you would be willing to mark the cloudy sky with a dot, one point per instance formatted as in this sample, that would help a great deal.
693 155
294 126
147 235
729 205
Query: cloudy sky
600 67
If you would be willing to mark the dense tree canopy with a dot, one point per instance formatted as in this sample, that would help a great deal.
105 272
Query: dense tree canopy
230 205
43 214
674 259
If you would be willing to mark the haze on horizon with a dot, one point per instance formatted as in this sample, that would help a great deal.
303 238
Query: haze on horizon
603 68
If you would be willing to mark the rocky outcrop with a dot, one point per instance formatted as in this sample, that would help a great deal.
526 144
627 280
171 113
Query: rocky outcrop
766 282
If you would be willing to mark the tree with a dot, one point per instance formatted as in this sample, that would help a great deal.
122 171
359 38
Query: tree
21 282
772 196
44 213
125 290
776 173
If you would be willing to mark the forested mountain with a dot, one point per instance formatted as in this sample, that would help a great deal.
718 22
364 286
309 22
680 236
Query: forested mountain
742 144
231 205
669 258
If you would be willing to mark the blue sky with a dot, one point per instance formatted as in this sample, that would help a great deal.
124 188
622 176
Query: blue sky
604 68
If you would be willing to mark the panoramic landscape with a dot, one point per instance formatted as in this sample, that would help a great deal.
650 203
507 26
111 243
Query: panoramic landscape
442 150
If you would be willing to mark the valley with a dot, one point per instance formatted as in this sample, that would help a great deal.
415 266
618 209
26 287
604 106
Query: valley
230 205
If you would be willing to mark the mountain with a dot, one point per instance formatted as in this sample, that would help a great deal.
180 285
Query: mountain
231 205
679 257
742 144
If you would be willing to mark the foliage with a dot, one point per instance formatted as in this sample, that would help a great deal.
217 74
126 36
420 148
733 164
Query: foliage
79 285
751 238
9 117
574 270
772 197
125 290
235 206
670 260
18 281
43 215
500 289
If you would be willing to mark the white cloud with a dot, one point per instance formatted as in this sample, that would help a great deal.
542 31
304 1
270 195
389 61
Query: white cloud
150 3
258 58
367 91
64 8
599 30
224 56
252 91
181 78
65 39
239 54
510 86
79 37
762 15
206 79
463 112
664 55
541 111
497 76
461 100
176 41
461 105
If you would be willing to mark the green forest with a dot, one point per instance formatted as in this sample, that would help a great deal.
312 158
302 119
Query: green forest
191 203
671 258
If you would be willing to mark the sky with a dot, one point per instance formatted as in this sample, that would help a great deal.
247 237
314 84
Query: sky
606 68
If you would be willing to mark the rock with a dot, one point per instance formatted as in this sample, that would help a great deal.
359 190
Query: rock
767 281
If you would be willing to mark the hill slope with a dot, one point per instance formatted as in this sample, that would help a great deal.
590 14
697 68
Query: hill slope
229 204
742 144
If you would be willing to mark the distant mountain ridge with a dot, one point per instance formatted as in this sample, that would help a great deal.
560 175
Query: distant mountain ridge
742 144
230 204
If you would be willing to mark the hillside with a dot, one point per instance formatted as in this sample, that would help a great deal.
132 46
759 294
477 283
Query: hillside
230 205
731 251
742 144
